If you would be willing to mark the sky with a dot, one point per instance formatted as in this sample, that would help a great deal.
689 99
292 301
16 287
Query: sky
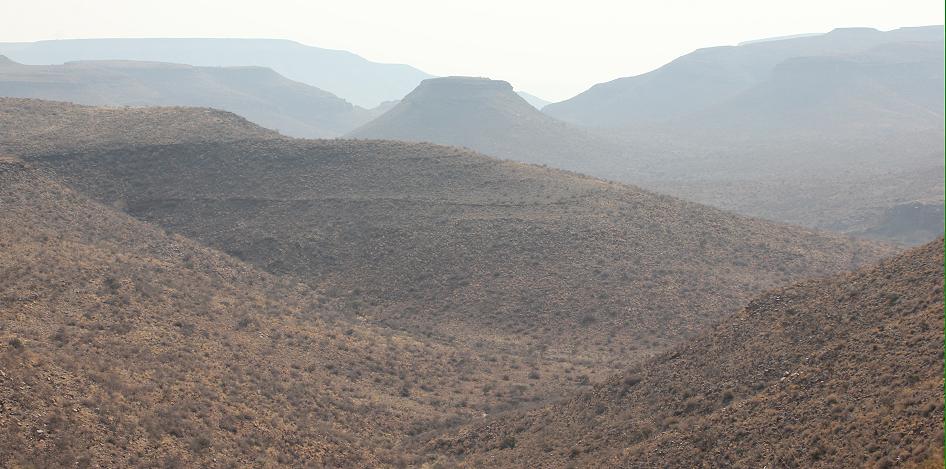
549 48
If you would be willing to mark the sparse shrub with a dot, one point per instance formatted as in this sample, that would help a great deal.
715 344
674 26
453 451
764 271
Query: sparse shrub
631 380
508 442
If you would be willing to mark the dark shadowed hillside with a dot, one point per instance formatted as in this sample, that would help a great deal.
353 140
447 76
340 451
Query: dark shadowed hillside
489 117
444 242
845 371
341 73
121 345
258 94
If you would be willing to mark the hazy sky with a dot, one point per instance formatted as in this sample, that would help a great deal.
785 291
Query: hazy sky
550 48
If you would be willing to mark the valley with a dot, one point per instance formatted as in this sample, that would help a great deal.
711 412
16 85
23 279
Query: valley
248 252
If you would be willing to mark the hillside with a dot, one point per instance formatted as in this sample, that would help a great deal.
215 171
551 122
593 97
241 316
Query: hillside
844 371
121 345
489 117
258 94
441 242
709 76
32 126
353 78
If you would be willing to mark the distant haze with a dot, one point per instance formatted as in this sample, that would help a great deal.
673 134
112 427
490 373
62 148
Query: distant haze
552 50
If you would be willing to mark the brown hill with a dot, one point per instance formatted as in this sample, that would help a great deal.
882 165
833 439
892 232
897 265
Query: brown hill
33 126
123 346
845 371
256 93
550 266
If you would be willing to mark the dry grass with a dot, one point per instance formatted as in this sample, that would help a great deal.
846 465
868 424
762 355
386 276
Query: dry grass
843 372
121 345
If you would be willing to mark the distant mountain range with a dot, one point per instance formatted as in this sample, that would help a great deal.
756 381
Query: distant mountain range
769 128
896 85
710 76
847 138
259 94
355 79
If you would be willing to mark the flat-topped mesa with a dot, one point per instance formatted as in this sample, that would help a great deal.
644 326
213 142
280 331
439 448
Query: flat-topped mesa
488 116
466 88
853 31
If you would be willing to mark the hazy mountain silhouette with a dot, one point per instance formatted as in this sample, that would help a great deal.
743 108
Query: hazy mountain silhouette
891 86
342 73
258 94
709 76
535 101
488 116
829 141
838 372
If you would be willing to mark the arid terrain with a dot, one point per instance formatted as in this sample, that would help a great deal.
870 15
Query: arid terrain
445 242
843 371
125 345
734 260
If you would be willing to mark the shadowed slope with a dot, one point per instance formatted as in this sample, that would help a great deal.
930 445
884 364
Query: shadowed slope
123 346
443 241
